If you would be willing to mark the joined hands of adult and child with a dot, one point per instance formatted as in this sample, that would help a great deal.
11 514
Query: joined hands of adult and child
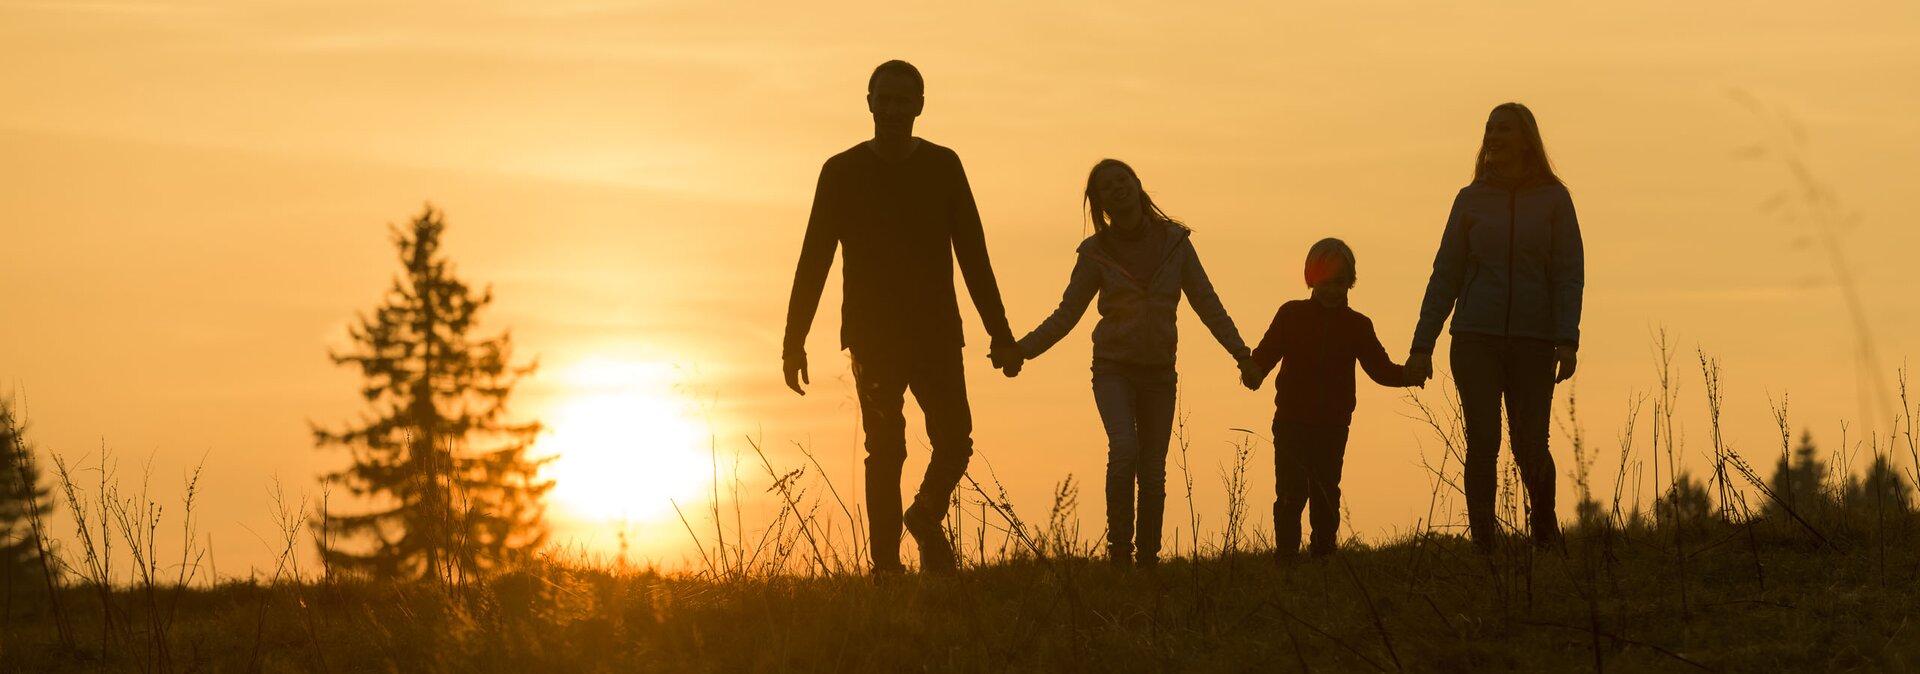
1251 374
1419 368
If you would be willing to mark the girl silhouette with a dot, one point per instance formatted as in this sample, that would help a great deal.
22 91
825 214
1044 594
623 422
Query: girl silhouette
1139 261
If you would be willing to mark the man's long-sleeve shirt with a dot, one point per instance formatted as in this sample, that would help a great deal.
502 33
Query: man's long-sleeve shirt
901 225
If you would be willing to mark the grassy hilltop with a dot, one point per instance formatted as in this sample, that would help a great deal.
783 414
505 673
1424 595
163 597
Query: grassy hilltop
1750 598
1816 567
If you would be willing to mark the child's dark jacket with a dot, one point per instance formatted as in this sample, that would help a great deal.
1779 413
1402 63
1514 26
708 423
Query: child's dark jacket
1316 347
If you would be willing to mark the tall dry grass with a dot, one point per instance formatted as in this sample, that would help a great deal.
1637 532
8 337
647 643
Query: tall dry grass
1675 573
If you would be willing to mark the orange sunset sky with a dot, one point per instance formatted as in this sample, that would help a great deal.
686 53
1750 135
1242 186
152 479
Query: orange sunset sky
194 199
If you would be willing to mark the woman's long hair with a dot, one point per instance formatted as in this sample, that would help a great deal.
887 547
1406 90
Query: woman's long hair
1098 211
1536 152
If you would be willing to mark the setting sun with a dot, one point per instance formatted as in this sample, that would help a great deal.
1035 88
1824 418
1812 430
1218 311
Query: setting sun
628 445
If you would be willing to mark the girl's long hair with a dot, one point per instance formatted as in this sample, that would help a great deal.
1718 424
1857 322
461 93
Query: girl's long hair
1536 152
1098 211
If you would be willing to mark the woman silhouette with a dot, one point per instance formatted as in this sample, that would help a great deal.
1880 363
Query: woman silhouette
1510 270
1139 261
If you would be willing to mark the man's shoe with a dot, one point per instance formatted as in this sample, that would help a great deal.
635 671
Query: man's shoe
936 555
884 569
883 575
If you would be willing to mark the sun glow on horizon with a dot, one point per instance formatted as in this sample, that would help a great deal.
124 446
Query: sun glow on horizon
628 445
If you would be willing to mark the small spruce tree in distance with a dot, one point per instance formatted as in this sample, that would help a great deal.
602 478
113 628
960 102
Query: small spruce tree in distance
22 499
1802 482
445 478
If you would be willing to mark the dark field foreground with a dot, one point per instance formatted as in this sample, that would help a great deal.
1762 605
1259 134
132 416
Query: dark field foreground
1764 598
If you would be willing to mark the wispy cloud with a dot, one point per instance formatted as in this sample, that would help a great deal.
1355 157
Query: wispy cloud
111 8
1748 295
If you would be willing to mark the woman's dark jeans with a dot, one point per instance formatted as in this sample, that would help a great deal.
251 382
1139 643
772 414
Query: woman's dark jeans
1520 371
1136 406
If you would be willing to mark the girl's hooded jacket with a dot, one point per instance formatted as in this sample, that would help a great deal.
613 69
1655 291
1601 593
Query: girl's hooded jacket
1137 315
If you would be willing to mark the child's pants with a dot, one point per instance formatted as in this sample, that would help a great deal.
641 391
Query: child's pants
1306 468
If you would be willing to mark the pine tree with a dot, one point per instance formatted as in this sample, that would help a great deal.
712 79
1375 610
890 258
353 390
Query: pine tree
1882 488
1802 484
1687 501
451 486
22 499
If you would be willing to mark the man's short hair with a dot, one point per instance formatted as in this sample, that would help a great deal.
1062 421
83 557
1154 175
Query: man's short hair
898 67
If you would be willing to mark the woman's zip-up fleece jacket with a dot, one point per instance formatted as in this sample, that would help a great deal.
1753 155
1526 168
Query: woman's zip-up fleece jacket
1510 265
1136 315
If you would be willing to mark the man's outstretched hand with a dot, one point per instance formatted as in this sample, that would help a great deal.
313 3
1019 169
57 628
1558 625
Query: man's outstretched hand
795 367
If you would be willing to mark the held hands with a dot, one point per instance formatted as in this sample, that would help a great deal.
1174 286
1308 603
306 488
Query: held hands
1563 357
1007 358
1419 368
1251 374
794 366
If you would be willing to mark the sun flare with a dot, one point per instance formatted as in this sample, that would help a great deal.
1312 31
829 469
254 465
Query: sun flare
628 444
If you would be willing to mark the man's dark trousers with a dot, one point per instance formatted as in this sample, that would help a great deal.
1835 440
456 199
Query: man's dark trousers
882 375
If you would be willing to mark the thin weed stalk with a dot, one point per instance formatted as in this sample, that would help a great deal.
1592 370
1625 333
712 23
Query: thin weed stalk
853 523
94 537
1663 435
784 484
1234 480
1733 503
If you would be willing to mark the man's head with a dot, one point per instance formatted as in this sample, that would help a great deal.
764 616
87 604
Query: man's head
895 94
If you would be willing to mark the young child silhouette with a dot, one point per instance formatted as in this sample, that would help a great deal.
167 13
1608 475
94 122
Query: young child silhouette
1316 342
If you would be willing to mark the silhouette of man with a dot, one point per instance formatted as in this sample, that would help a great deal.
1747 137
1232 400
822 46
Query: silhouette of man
902 212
